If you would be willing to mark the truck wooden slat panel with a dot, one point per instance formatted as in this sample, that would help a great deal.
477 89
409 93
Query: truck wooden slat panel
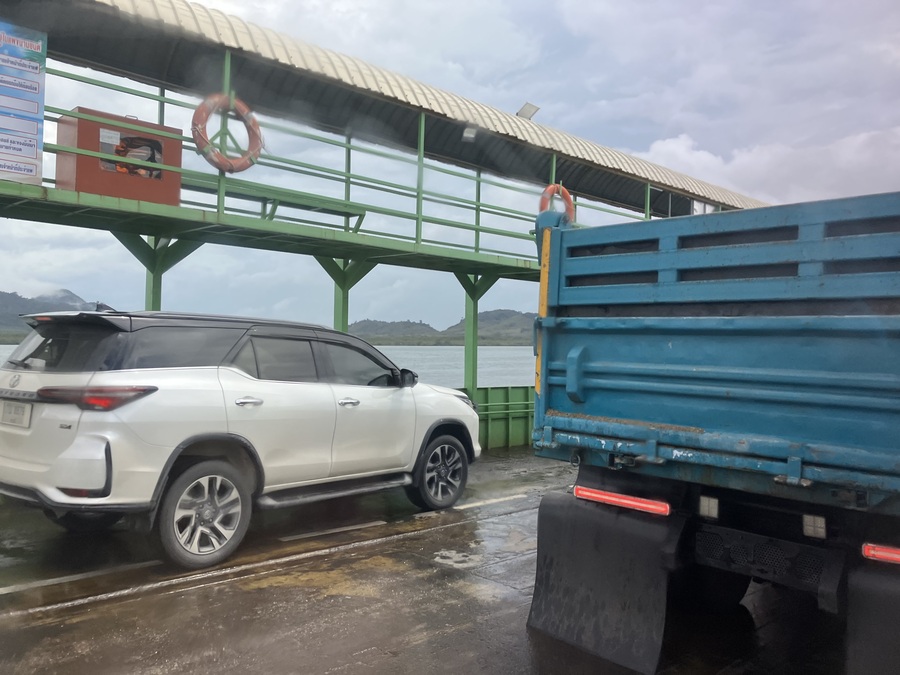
816 390
840 249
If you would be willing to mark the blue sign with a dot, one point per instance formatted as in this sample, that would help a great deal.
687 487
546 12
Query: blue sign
23 61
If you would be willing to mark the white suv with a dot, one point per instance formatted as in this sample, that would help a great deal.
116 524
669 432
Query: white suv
188 422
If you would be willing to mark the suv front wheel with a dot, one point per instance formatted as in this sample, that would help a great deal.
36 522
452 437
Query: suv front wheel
441 476
205 514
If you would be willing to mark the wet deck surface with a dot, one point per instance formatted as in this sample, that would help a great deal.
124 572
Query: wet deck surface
359 585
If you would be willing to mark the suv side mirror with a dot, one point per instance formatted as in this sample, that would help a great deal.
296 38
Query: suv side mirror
408 378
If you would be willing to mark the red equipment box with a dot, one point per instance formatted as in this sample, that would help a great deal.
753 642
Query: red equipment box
119 179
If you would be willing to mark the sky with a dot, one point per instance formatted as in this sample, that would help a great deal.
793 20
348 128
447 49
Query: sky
784 101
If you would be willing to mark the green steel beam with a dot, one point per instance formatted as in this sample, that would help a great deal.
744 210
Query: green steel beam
175 252
345 274
475 288
98 212
158 255
145 252
647 211
153 291
470 365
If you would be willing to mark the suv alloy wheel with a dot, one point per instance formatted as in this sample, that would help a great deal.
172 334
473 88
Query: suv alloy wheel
205 514
442 474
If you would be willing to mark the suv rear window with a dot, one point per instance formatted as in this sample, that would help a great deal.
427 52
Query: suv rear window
69 347
179 346
64 347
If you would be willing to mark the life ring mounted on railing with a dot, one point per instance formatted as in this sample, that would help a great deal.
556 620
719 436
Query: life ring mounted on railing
557 189
224 102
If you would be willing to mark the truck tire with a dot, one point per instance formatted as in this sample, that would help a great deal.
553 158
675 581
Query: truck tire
205 514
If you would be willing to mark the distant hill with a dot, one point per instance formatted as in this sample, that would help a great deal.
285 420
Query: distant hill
13 329
496 327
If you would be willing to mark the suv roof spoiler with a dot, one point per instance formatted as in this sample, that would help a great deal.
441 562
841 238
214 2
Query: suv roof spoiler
119 320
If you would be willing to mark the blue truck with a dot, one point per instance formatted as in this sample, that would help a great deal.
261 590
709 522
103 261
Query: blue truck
728 385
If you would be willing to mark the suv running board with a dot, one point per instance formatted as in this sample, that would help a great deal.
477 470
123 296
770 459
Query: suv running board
345 488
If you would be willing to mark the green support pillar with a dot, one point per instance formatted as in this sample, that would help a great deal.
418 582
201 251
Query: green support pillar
475 287
470 367
153 284
158 255
345 274
341 319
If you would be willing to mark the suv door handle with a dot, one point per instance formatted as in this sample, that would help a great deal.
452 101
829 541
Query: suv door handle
248 400
352 402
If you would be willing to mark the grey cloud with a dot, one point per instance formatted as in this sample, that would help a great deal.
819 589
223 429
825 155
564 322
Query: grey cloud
783 100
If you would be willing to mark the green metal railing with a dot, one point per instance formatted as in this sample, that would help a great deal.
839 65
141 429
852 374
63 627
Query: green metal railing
467 230
506 416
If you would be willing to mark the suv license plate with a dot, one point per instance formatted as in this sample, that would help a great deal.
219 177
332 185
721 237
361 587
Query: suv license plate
16 414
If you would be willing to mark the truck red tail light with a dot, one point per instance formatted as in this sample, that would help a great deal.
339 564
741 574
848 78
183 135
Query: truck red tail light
615 499
94 398
887 554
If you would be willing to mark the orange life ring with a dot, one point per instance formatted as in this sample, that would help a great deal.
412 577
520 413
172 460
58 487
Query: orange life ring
215 103
557 189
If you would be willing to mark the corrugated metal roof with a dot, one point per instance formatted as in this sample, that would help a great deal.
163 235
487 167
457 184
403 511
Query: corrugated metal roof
337 84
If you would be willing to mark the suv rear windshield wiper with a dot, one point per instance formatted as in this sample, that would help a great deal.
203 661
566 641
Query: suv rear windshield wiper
20 363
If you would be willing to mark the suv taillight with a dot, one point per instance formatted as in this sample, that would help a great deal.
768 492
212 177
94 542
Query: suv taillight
94 398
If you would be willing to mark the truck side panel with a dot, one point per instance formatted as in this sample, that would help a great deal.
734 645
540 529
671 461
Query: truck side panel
763 341
730 386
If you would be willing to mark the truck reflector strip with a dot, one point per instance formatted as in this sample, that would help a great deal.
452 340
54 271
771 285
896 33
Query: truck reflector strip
615 499
887 554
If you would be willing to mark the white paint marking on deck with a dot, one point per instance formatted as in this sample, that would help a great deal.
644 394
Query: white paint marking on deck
220 576
485 502
203 579
76 577
322 533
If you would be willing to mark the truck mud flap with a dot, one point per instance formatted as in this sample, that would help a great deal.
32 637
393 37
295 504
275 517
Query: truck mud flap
873 644
602 579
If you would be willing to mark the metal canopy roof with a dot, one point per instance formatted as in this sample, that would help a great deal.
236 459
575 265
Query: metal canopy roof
180 46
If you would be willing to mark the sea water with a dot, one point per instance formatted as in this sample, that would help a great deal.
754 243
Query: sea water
497 366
